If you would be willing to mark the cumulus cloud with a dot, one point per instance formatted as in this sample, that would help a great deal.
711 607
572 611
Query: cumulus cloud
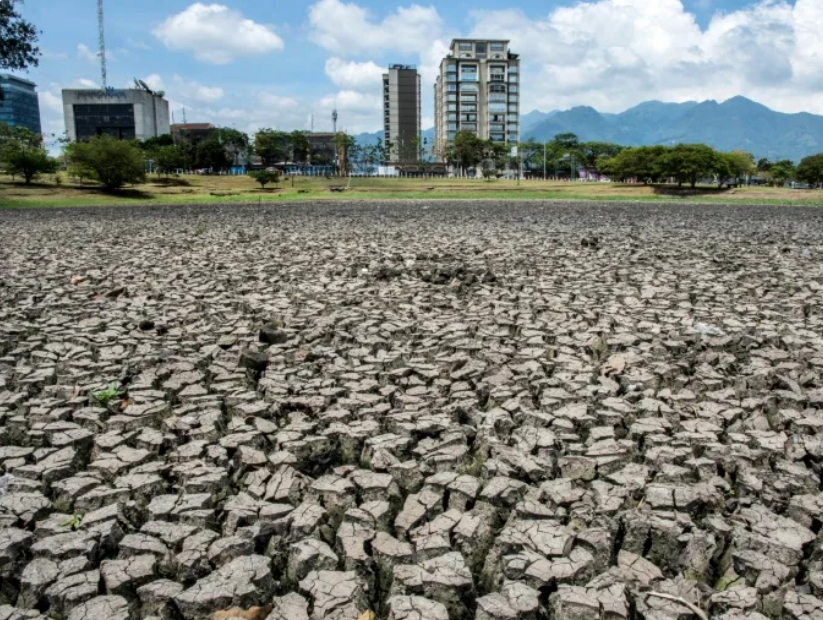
349 29
154 81
612 54
216 34
197 91
354 75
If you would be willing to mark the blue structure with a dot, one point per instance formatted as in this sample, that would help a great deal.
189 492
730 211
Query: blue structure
19 106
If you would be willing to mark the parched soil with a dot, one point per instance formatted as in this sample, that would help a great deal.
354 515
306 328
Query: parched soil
434 411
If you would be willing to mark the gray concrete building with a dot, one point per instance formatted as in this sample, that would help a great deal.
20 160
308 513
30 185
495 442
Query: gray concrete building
401 113
124 114
477 90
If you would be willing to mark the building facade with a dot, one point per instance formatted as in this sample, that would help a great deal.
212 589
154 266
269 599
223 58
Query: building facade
125 114
401 114
193 132
477 90
19 106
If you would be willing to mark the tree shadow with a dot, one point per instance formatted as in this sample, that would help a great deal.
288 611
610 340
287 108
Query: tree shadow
171 182
687 191
131 193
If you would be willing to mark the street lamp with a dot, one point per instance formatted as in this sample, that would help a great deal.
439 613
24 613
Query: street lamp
545 144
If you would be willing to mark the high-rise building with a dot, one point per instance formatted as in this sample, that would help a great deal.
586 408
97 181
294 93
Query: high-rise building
477 90
19 106
401 113
125 114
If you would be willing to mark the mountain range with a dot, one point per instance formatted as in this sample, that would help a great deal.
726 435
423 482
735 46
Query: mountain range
738 123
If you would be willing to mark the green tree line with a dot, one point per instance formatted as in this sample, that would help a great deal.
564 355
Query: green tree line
684 163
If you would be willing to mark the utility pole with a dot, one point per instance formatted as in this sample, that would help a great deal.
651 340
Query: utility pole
102 42
545 144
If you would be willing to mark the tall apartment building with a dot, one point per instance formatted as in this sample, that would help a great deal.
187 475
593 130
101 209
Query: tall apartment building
19 106
123 114
478 90
401 113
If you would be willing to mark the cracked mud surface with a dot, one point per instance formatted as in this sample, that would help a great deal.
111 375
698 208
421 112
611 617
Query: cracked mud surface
491 411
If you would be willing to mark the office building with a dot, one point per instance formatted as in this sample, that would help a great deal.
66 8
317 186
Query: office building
477 90
191 132
19 106
401 113
125 114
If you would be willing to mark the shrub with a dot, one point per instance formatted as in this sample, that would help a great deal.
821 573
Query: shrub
28 162
115 163
264 177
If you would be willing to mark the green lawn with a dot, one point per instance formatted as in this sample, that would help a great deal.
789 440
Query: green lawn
206 189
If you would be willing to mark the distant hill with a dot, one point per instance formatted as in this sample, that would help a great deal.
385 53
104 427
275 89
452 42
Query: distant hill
738 123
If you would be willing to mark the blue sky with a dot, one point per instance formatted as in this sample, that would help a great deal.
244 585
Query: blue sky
273 63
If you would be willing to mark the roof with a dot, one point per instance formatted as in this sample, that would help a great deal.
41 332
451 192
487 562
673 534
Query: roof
191 126
14 78
475 40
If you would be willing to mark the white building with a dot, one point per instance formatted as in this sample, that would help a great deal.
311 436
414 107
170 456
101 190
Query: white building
124 114
478 90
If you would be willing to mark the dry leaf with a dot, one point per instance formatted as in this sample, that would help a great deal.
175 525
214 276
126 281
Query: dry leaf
125 403
369 615
77 279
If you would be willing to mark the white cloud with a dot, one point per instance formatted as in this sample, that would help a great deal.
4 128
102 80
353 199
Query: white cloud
348 29
197 91
154 81
277 102
354 75
612 54
216 34
86 54
353 101
85 83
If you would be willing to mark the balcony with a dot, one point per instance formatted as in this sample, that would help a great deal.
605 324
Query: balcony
468 77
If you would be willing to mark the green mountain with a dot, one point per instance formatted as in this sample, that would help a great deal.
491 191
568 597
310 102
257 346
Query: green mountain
738 123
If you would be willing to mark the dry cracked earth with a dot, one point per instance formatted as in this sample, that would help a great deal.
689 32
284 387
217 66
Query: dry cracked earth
490 411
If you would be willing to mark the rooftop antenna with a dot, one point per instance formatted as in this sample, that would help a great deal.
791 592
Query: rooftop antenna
102 42
334 120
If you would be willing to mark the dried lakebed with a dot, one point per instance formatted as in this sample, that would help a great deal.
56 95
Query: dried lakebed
491 411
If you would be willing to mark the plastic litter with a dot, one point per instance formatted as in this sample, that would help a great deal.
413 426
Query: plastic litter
709 330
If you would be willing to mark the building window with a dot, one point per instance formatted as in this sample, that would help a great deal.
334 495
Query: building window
497 137
451 77
512 108
465 55
468 118
468 126
497 47
468 98
497 118
498 108
513 99
513 79
513 69
451 107
452 126
464 47
451 68
513 88
452 88
480 48
497 96
497 69
468 88
497 88
452 117
451 97
468 69
450 135
468 107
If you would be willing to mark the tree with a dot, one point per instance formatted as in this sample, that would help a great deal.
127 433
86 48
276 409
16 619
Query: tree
168 159
235 143
467 150
810 169
27 161
115 162
18 40
300 147
691 162
594 152
740 164
781 171
567 141
272 146
211 153
344 144
152 144
264 177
